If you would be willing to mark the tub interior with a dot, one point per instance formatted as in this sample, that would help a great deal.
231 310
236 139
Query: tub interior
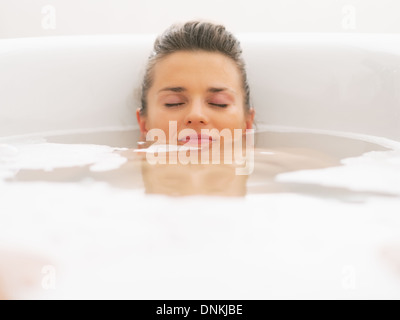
337 82
82 217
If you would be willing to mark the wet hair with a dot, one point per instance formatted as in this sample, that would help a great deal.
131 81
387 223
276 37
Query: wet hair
194 36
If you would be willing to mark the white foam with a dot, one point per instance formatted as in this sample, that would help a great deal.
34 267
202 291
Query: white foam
262 246
49 156
377 171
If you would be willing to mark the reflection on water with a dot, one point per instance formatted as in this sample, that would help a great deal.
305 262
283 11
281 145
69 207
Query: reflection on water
201 179
274 153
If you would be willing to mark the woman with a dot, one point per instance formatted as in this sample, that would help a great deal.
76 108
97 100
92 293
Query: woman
195 80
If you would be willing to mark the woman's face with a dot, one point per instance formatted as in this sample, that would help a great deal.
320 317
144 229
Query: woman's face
198 90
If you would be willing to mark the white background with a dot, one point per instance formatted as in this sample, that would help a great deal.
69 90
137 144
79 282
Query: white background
24 18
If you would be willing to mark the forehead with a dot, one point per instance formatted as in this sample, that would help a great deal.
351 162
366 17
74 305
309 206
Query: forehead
197 69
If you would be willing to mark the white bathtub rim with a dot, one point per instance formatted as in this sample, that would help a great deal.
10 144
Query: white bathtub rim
382 141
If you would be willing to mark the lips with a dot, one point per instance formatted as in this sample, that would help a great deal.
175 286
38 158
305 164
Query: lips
197 138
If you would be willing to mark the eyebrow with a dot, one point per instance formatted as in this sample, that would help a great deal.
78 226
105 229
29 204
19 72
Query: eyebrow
182 89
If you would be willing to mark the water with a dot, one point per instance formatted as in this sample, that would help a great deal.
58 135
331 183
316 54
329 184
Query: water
84 216
122 166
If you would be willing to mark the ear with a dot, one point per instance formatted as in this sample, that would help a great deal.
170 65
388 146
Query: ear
141 121
250 118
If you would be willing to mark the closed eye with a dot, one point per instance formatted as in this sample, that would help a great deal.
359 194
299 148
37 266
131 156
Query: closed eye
173 104
179 104
219 105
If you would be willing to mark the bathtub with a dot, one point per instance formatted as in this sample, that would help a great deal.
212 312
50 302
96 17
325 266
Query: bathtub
90 240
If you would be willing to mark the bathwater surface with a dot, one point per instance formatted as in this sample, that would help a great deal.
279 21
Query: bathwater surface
118 158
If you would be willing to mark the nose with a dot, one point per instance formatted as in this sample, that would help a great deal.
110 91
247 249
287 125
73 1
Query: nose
196 114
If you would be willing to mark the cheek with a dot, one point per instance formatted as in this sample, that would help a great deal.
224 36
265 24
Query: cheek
160 119
233 119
